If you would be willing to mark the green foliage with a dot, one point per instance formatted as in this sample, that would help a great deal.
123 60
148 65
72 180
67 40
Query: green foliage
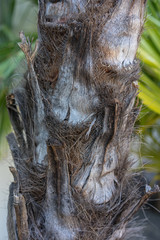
149 53
149 85
10 54
6 13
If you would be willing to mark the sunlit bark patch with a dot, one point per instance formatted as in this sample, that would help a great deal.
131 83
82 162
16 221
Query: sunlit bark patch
120 34
59 12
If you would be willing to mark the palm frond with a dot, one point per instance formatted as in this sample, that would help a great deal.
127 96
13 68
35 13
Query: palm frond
149 85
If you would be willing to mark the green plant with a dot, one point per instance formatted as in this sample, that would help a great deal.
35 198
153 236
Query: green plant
149 85
10 54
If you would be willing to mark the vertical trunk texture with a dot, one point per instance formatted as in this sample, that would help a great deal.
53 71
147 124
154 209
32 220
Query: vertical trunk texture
73 118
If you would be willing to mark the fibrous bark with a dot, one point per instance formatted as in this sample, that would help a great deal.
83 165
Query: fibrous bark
73 120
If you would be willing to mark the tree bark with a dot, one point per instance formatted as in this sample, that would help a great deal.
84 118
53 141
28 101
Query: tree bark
73 119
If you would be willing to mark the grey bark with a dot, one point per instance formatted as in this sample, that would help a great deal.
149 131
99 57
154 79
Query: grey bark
73 119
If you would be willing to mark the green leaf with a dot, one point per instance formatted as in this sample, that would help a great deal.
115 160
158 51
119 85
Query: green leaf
154 20
148 58
150 98
8 66
150 85
6 12
149 49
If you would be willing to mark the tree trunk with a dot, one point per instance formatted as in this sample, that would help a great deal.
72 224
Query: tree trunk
73 119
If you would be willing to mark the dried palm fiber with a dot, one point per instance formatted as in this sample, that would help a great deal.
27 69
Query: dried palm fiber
73 119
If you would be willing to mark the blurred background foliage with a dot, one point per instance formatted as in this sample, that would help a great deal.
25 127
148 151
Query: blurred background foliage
149 90
17 15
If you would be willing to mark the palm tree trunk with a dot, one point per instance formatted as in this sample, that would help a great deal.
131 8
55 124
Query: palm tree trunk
73 119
